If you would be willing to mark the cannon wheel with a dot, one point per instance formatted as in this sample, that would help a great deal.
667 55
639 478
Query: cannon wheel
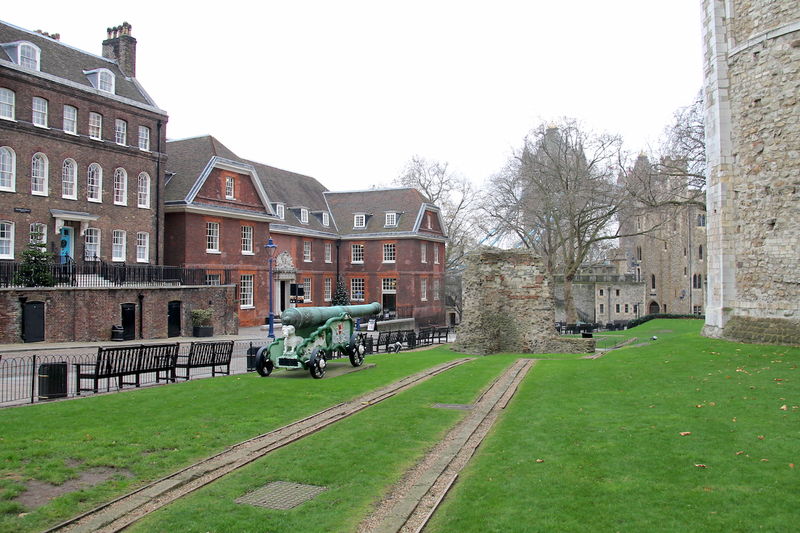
263 364
316 364
356 349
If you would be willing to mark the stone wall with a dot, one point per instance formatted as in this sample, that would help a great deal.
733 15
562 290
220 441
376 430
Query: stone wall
508 307
752 86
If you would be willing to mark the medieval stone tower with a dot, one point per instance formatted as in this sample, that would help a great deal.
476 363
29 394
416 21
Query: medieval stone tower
752 87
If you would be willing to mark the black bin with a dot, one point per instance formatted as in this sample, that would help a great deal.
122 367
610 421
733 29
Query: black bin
117 333
52 381
586 334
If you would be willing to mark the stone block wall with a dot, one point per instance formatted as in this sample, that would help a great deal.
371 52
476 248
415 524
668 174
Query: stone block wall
508 307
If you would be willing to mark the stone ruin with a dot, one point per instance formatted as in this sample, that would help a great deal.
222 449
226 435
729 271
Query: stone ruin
508 307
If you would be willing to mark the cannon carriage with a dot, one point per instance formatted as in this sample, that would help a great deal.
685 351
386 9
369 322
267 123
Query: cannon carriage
314 335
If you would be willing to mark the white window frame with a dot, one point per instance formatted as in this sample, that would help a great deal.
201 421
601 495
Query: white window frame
304 215
120 132
143 190
307 290
144 138
328 252
94 191
391 219
102 79
38 227
247 240
120 187
8 104
118 245
280 211
246 291
355 294
69 179
326 219
353 248
33 62
359 221
70 120
95 126
6 239
389 252
328 289
307 252
91 244
435 254
142 247
8 169
39 112
229 188
389 286
212 237
39 174
436 289
423 290
423 252
213 279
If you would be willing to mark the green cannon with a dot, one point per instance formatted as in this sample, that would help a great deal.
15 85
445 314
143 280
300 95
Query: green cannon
314 335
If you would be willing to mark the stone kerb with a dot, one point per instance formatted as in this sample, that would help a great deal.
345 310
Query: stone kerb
508 306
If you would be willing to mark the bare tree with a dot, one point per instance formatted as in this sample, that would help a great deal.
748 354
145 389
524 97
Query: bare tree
559 196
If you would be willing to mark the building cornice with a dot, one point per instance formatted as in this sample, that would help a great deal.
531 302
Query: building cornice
218 211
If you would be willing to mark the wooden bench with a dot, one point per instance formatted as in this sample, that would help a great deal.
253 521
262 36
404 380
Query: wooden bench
441 334
206 354
123 361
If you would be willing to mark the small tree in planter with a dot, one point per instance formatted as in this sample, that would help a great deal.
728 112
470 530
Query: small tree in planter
201 322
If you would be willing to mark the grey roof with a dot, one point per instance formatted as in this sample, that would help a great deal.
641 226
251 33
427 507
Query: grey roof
67 63
406 202
186 160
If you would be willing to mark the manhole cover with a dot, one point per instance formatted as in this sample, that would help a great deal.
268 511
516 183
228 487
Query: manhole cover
457 406
281 495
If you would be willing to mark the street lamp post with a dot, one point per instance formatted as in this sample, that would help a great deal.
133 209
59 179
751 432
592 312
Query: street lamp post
271 249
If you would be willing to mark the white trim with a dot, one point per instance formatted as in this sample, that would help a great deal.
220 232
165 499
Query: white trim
212 210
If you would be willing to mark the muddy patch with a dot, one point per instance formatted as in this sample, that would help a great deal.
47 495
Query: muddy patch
39 493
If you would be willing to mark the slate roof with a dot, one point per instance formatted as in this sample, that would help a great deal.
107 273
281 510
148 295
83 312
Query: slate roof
186 160
68 63
375 203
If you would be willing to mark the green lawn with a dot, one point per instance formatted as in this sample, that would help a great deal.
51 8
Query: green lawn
607 432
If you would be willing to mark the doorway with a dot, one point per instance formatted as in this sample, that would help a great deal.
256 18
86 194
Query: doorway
67 244
654 308
174 319
128 322
33 321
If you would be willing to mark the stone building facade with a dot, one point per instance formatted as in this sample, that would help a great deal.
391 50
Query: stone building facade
752 83
508 307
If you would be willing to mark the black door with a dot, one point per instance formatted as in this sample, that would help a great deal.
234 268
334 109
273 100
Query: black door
128 321
390 305
174 319
33 322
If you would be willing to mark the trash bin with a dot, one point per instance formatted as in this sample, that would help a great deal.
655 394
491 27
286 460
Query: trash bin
117 333
52 381
251 357
586 335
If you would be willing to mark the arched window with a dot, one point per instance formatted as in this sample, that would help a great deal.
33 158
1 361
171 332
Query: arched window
94 183
639 253
29 56
105 81
8 169
39 174
700 252
653 281
69 180
120 187
7 105
144 190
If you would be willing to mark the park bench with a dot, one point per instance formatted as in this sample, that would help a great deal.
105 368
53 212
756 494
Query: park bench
204 355
124 361
441 334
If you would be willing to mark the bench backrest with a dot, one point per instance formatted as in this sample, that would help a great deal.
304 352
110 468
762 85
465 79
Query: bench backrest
159 356
117 360
210 353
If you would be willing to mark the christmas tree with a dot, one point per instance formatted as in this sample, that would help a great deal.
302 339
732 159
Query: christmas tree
340 297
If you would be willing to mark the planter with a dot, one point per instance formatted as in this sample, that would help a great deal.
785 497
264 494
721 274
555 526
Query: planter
203 331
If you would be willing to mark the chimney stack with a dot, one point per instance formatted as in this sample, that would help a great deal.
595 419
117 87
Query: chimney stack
121 46
54 36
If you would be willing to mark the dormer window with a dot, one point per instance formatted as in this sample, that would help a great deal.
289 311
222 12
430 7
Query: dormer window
303 215
326 219
279 211
359 221
101 79
229 188
391 220
29 56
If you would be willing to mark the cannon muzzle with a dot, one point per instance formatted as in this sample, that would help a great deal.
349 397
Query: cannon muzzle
303 317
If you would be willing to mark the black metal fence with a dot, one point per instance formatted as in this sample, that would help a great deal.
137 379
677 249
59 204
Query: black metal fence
103 274
40 377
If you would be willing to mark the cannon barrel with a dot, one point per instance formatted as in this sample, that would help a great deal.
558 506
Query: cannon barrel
302 317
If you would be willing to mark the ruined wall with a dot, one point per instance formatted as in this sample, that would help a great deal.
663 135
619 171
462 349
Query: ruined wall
752 53
508 307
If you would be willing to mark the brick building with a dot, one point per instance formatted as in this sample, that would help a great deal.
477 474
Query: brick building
81 147
387 245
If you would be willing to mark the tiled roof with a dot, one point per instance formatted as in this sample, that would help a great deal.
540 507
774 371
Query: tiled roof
68 63
186 159
406 202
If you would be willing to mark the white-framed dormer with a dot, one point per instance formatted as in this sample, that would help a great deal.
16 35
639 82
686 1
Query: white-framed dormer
24 54
359 220
390 219
326 219
102 79
303 215
280 211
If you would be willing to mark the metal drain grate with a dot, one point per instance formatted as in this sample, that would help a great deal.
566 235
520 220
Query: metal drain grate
281 495
457 406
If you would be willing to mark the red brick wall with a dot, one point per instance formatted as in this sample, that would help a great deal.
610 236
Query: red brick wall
245 196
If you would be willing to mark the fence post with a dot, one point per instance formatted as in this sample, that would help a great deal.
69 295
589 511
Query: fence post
33 377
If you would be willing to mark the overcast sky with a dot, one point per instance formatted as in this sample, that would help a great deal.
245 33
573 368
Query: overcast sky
347 91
